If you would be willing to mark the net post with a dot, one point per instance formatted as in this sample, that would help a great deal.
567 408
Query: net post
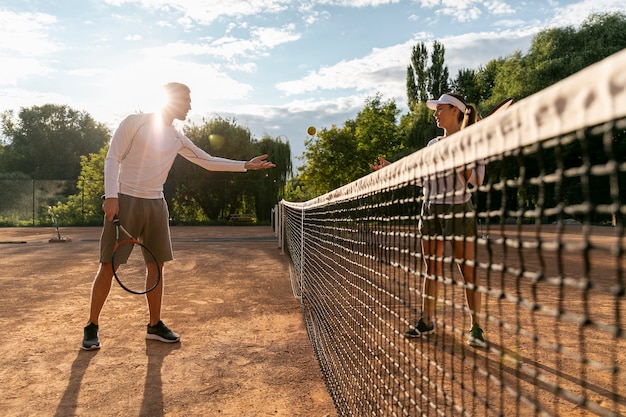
281 227
302 250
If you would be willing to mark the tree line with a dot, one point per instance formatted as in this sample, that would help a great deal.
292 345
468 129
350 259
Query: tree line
56 144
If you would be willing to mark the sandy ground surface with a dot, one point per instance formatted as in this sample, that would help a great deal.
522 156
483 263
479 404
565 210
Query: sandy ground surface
244 350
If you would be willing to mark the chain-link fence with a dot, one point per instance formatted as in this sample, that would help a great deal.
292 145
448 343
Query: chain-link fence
28 202
198 201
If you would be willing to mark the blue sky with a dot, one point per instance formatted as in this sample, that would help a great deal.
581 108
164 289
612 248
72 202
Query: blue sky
276 66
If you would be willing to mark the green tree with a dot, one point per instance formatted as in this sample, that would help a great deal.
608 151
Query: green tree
195 194
485 82
438 75
47 142
466 83
271 182
16 189
337 156
85 207
417 76
422 83
560 52
328 158
416 128
295 190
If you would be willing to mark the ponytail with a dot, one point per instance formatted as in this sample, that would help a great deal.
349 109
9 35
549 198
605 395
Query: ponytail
470 116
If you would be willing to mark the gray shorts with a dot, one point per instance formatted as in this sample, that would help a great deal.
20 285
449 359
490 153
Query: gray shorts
448 220
145 219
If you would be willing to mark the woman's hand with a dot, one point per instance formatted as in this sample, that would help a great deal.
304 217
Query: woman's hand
382 162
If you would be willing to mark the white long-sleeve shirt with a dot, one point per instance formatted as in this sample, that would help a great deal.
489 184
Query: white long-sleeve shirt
452 187
142 152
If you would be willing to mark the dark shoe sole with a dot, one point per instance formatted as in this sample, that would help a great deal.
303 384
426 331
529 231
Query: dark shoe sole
417 334
477 343
92 347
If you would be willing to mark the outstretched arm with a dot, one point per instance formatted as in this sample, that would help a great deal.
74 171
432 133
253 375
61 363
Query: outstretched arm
259 162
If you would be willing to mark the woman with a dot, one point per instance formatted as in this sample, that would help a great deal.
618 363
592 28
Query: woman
442 197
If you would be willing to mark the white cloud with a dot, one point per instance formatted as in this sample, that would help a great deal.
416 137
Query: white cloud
26 34
574 14
207 11
27 49
498 7
429 4
384 70
476 49
467 10
269 37
261 40
366 73
27 98
15 69
460 10
357 3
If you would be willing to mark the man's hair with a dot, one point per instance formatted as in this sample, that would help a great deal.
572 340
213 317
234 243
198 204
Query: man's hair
172 89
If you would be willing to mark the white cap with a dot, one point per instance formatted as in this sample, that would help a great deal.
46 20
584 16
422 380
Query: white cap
446 99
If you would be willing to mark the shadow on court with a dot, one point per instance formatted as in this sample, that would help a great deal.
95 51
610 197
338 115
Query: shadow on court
69 401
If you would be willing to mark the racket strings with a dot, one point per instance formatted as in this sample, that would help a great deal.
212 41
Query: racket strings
130 261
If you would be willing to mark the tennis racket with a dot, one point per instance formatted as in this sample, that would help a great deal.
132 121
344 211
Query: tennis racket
502 105
129 262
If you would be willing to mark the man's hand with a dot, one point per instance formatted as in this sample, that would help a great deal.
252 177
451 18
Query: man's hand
382 162
259 162
111 208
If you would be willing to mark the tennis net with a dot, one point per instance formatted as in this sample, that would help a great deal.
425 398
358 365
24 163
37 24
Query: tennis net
548 253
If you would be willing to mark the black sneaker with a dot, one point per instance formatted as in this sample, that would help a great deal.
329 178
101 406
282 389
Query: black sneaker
420 329
476 337
161 333
90 340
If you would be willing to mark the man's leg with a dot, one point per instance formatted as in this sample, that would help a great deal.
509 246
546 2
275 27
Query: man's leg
100 291
154 297
156 329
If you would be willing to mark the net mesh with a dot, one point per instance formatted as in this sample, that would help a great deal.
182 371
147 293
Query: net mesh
547 260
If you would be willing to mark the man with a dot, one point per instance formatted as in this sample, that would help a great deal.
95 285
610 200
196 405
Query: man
139 159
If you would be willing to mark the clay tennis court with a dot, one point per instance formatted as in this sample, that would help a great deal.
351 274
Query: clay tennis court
244 350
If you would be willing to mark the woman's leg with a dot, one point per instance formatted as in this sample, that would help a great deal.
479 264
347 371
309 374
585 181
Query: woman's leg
465 251
432 250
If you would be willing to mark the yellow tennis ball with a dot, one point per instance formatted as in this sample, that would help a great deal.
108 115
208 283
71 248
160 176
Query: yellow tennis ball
311 130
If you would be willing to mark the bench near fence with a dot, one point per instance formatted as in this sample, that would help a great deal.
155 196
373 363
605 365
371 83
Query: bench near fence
242 218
